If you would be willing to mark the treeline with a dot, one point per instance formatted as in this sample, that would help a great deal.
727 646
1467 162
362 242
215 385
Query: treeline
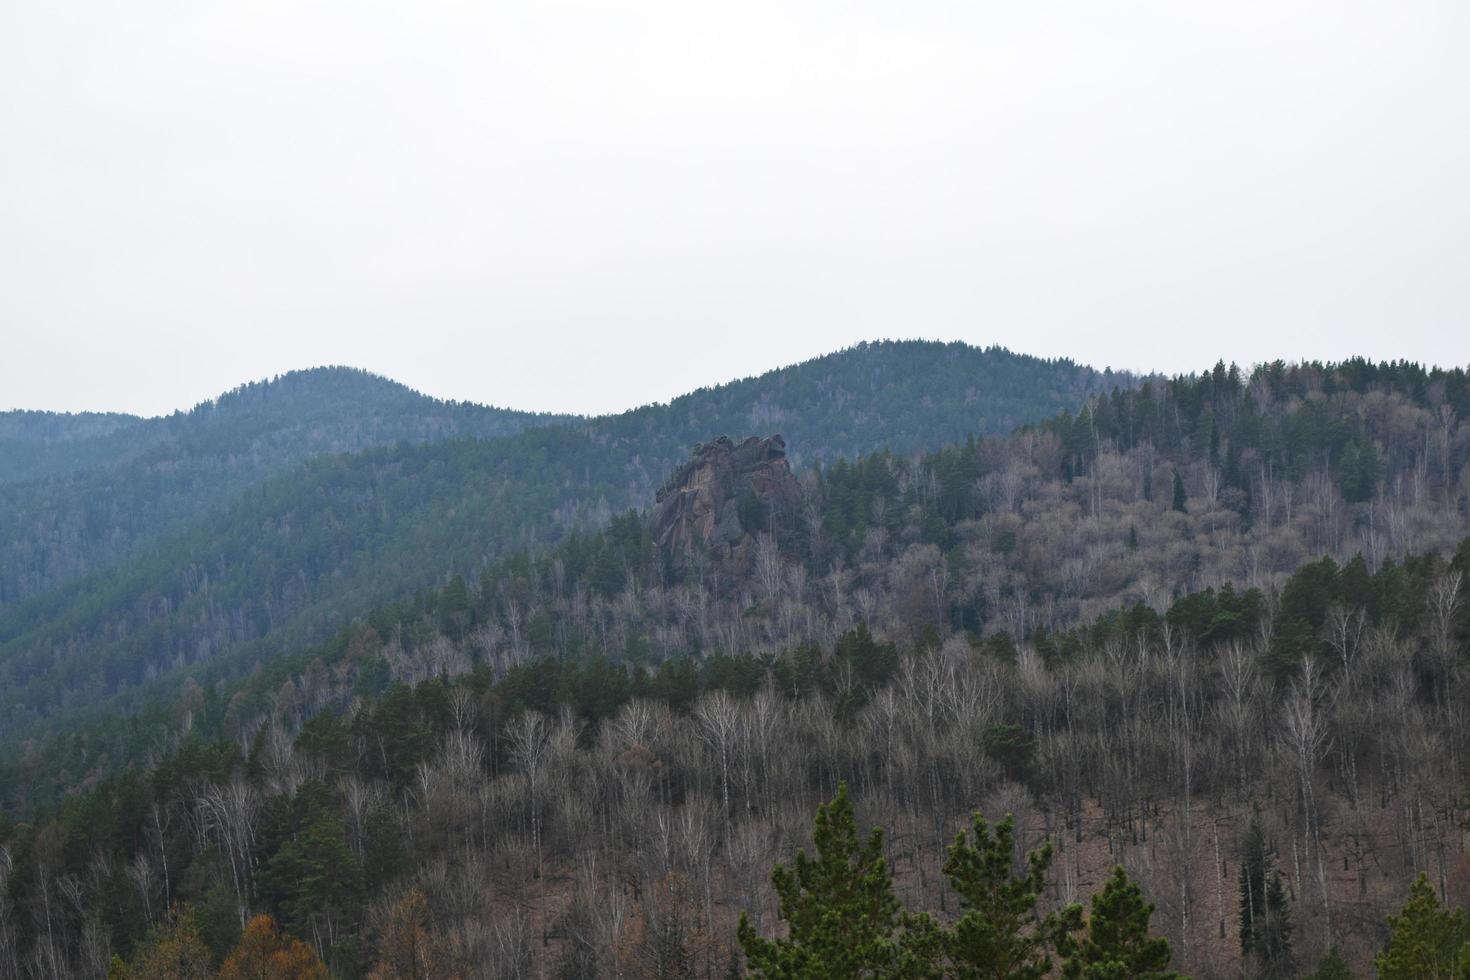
554 754
1037 530
1346 418
99 492
574 816
985 537
267 519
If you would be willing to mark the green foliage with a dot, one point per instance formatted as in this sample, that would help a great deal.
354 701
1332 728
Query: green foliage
1332 966
209 542
845 922
1117 944
1265 914
1427 940
844 919
1000 932
1013 746
1359 470
312 873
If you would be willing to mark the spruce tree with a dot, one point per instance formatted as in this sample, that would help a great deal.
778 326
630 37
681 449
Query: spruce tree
1428 941
1265 914
843 917
1273 938
1181 498
1332 966
1117 943
1254 863
1000 933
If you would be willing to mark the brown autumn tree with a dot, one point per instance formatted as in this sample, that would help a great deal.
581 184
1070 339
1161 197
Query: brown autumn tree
666 937
407 949
265 953
174 950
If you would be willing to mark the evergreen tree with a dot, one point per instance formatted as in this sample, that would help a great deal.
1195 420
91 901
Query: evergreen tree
1332 966
314 873
1254 864
1265 919
1428 941
1273 945
1181 498
1000 933
1117 944
844 919
1359 470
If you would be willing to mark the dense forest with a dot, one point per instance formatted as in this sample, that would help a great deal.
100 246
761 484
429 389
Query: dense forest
268 519
82 493
598 816
1201 645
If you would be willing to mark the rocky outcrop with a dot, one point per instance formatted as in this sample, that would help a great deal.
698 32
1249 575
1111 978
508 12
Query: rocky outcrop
726 495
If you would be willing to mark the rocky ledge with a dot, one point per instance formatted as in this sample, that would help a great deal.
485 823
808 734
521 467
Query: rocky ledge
726 495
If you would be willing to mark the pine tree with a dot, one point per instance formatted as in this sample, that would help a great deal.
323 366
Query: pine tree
1000 933
844 919
1273 946
1265 918
314 873
1428 941
1332 966
1117 943
1181 498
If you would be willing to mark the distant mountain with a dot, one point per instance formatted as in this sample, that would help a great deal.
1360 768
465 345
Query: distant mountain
80 493
1207 606
264 522
40 444
905 396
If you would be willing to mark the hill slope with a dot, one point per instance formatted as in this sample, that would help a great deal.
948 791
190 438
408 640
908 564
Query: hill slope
303 551
86 492
40 444
1202 629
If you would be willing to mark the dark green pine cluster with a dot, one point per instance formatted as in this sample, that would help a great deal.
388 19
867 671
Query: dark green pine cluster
844 921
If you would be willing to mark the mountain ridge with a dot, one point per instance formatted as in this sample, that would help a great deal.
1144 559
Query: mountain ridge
292 555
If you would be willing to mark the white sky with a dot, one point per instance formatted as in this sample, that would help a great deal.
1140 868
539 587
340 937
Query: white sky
583 206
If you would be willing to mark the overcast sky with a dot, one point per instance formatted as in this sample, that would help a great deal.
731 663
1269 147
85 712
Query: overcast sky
584 206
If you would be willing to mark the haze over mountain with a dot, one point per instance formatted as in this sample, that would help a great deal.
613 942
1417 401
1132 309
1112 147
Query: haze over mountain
482 551
391 669
471 697
248 430
275 513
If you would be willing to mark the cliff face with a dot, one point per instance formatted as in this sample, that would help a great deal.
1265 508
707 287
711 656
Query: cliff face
726 495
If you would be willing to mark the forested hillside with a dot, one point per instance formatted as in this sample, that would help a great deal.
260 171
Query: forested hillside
37 444
1215 630
256 527
608 816
84 493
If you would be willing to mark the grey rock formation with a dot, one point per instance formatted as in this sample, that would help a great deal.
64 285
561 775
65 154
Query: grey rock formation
726 495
